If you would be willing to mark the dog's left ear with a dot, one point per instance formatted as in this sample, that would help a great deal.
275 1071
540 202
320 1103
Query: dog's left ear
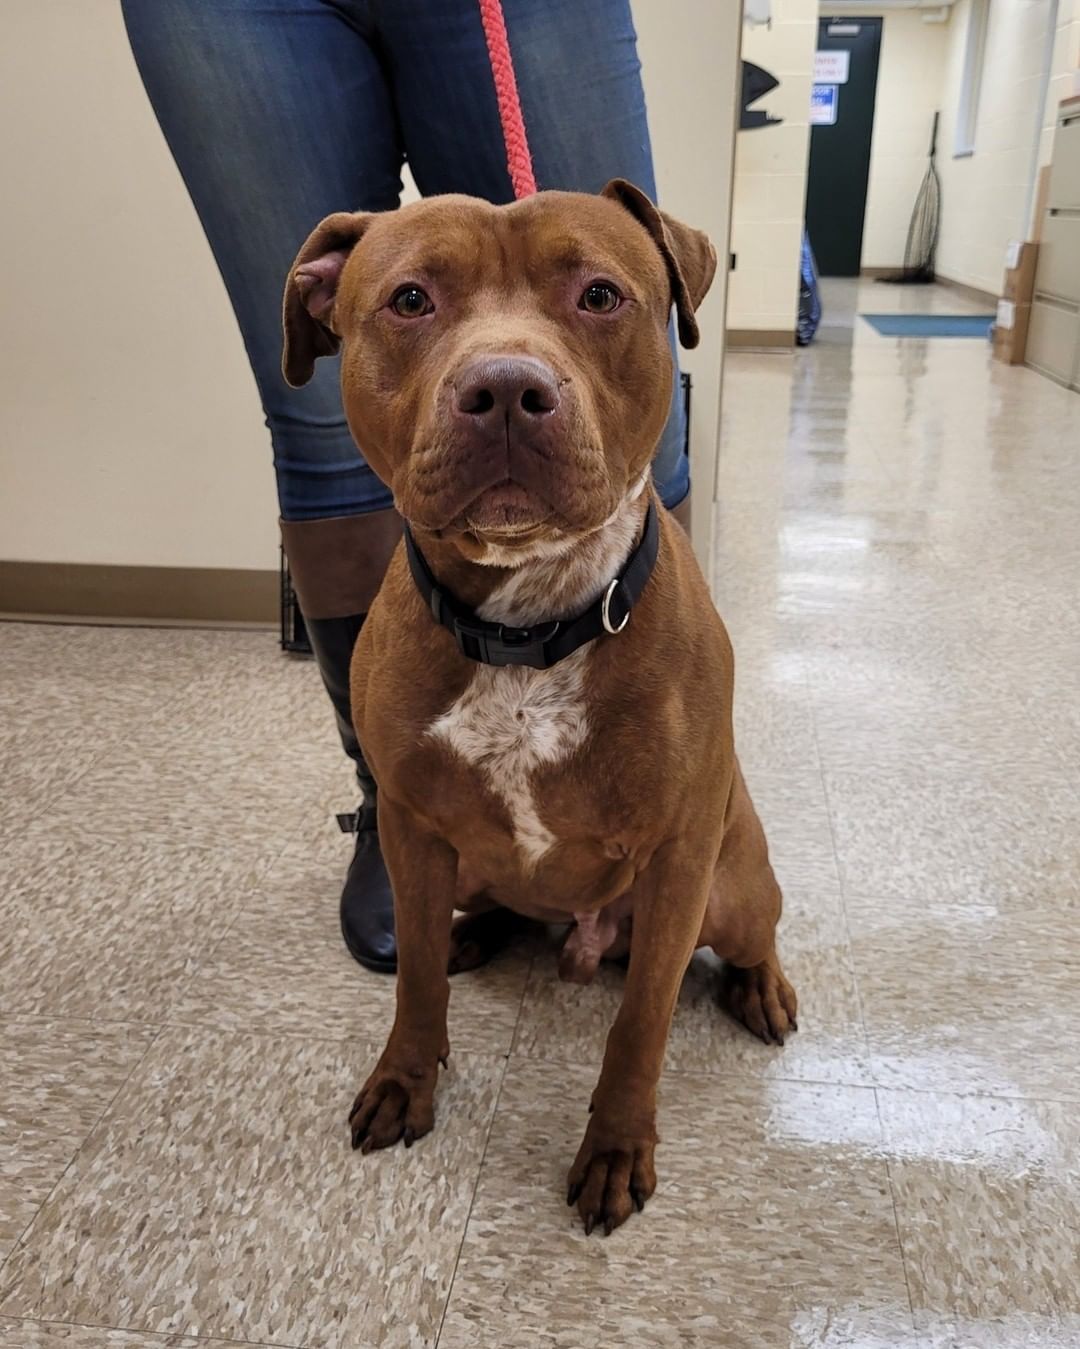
690 257
310 293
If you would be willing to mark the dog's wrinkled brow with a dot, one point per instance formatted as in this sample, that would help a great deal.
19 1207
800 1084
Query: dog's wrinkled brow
569 255
437 264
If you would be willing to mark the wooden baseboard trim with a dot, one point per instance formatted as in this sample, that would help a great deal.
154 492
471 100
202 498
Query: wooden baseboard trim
75 590
760 339
971 292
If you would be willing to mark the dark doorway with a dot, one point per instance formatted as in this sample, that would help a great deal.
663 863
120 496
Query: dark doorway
840 148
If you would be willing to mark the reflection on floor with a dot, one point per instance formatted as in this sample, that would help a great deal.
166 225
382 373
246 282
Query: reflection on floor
182 1029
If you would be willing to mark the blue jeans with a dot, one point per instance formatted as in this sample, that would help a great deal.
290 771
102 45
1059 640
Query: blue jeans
279 112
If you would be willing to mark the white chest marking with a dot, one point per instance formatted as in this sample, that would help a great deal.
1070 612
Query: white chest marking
511 721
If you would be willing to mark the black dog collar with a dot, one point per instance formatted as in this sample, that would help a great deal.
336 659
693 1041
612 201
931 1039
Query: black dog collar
547 643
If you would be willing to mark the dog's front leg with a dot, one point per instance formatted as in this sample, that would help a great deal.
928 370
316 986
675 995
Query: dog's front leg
613 1171
397 1100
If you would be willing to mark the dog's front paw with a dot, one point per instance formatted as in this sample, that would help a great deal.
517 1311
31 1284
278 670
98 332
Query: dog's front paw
394 1103
612 1175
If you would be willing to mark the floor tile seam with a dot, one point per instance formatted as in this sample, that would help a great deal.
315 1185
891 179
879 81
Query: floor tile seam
31 804
870 1083
985 631
72 776
895 1211
506 1058
472 1198
217 1028
164 1335
1056 744
696 1074
66 1020
90 1132
278 1033
1017 906
512 1050
842 891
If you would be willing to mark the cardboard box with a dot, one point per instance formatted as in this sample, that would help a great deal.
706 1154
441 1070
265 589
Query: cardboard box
1010 332
1019 285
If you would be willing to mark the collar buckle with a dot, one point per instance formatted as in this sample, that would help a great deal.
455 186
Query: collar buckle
506 645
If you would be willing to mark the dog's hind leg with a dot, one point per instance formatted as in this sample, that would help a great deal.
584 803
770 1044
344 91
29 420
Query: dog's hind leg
479 935
740 925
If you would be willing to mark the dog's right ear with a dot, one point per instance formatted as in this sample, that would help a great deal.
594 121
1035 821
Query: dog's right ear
688 255
310 292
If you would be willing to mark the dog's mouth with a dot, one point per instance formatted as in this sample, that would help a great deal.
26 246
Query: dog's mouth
506 511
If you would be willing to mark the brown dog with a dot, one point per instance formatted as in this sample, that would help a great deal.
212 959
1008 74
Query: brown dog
507 371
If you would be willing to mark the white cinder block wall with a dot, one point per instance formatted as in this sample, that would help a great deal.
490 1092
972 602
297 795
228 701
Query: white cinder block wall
1064 71
911 73
770 175
986 196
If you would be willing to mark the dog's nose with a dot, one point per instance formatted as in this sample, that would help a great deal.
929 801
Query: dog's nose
497 388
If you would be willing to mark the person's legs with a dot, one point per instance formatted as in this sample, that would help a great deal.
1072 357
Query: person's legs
277 113
579 79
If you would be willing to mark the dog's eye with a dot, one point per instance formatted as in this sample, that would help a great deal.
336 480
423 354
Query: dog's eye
411 302
600 298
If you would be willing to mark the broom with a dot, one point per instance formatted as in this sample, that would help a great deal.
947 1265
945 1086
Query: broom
922 233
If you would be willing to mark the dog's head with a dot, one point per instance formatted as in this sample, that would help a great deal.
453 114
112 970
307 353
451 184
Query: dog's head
505 369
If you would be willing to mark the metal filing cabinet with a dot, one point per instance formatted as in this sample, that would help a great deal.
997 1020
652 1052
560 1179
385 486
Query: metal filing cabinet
1053 344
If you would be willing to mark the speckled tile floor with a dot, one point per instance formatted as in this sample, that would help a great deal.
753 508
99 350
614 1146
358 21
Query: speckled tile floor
182 1030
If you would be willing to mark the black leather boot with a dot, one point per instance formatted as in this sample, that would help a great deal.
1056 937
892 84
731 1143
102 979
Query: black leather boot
367 901
337 565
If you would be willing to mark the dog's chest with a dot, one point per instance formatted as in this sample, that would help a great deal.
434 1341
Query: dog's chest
511 722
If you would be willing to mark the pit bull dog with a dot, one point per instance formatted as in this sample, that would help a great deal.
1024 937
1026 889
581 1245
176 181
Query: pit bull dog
543 686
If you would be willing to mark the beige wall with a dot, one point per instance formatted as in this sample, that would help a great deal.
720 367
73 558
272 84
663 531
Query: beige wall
986 196
910 88
130 432
130 428
770 174
690 57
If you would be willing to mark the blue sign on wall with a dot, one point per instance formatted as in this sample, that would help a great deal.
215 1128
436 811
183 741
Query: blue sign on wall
824 100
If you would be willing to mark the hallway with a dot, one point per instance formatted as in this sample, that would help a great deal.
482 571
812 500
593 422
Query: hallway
182 1028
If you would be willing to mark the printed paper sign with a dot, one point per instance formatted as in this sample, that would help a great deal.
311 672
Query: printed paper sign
831 67
824 99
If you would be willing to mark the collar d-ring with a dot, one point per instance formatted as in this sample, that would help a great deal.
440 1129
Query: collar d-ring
605 610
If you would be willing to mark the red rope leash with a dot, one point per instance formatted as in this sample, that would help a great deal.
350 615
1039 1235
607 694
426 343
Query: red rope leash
518 158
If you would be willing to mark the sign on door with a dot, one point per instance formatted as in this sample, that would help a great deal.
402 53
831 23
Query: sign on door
824 99
831 67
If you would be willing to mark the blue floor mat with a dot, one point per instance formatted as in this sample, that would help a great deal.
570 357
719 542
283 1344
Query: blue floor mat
930 325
